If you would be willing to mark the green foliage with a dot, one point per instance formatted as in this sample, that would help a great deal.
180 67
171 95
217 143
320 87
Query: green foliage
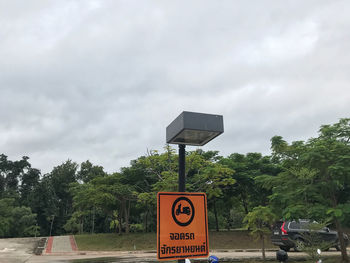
317 172
314 241
248 169
6 219
25 225
302 179
114 224
136 228
315 182
29 182
212 221
75 224
16 221
88 172
259 221
11 172
168 183
61 177
236 218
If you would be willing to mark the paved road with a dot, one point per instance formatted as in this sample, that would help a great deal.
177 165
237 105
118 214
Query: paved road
16 250
19 250
142 257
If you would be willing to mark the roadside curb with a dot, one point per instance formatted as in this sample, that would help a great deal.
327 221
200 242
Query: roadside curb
243 250
40 246
211 250
73 243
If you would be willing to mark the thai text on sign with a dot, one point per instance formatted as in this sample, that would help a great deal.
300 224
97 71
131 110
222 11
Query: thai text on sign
182 227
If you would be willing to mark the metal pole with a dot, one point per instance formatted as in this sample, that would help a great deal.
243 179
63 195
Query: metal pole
36 228
182 161
53 218
182 176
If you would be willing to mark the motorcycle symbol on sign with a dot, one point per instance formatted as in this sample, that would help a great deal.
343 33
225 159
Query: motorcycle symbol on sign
185 207
185 210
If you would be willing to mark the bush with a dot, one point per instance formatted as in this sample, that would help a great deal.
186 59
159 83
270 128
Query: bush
314 241
136 228
212 222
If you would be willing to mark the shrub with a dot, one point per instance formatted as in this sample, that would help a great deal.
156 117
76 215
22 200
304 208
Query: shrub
136 228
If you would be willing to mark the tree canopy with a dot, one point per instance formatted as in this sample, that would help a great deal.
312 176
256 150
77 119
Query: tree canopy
299 179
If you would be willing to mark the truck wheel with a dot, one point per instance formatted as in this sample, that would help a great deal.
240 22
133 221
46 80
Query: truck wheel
299 245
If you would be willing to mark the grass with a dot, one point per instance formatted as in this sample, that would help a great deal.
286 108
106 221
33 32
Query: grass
147 241
235 240
111 242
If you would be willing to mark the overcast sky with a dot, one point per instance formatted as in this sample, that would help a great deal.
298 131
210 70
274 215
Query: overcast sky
101 80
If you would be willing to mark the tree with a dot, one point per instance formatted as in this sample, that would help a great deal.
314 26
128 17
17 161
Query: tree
75 223
30 180
258 221
111 194
315 180
11 173
61 177
16 221
147 202
88 172
329 155
212 178
84 202
6 219
26 224
247 169
45 204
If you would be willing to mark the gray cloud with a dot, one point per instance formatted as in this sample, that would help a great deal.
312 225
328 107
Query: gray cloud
101 80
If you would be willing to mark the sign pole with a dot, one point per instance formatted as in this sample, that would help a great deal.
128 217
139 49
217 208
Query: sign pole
182 175
182 161
184 233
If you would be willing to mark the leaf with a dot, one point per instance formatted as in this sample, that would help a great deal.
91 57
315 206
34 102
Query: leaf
338 212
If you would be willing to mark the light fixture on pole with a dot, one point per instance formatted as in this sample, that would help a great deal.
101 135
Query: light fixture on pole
192 128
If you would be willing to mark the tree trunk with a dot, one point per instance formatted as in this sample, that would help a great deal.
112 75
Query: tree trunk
344 255
154 216
245 205
216 217
263 247
146 221
93 220
81 226
120 218
128 213
126 216
129 204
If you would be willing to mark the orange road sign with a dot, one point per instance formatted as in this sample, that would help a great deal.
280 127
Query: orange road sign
182 225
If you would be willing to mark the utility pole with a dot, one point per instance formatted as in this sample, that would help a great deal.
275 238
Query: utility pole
53 218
